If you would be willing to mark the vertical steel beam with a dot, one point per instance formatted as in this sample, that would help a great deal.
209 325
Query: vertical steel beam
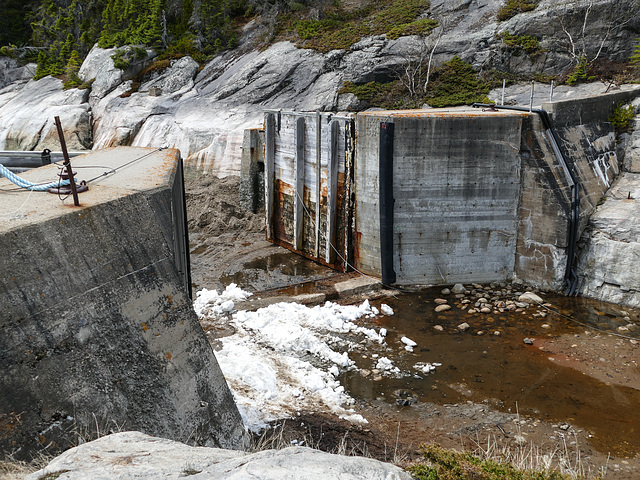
332 192
269 171
386 203
318 180
298 206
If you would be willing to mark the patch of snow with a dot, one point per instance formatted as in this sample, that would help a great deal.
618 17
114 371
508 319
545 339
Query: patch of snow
209 302
426 367
283 358
386 366
386 309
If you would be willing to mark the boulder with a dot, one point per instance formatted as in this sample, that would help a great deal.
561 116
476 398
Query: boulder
531 298
135 455
98 68
178 76
27 118
11 71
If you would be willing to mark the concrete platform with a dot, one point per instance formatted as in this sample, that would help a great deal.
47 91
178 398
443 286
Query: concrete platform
114 172
97 330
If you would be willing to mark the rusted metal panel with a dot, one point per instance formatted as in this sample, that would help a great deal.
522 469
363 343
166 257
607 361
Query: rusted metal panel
312 171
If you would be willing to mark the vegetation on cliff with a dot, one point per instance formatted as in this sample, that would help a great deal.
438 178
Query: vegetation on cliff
58 34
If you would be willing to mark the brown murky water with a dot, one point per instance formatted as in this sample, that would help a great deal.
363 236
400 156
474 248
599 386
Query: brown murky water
502 370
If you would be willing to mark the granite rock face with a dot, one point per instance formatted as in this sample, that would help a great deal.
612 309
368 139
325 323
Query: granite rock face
610 247
134 455
204 113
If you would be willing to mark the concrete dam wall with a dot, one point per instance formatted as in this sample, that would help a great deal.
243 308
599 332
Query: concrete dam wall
97 330
428 197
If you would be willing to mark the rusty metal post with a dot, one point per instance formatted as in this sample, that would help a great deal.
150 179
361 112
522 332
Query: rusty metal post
67 163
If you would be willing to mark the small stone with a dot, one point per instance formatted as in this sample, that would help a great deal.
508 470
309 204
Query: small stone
480 332
445 291
472 310
496 333
546 325
501 305
458 288
440 301
482 300
622 328
439 328
528 341
530 297
365 373
464 326
442 308
485 310
522 304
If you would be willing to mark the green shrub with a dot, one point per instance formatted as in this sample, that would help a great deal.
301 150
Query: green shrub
423 27
8 51
580 73
622 118
376 94
456 83
340 29
514 7
528 43
120 59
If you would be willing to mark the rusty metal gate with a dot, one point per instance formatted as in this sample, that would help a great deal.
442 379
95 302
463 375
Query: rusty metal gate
309 159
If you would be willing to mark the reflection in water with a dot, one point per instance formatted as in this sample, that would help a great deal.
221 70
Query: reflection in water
502 369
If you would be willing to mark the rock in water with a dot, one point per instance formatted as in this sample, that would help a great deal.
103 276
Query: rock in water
530 297
135 455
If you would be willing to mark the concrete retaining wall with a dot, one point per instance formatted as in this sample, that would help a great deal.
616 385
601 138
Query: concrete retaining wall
97 329
479 196
456 185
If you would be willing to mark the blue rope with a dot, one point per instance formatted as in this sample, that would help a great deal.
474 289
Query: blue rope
21 182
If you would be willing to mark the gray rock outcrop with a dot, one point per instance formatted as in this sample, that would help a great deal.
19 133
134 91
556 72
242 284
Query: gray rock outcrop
610 247
134 455
205 113
27 116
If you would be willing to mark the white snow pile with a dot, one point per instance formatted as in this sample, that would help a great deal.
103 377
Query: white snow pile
283 359
385 365
409 344
426 367
386 309
210 303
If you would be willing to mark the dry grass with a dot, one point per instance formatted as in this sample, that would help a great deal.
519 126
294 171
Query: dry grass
16 469
526 456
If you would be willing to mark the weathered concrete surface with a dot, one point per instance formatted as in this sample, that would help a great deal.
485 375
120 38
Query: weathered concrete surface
456 186
610 248
97 330
482 196
134 455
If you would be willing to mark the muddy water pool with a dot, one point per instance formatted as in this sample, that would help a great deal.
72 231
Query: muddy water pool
501 370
